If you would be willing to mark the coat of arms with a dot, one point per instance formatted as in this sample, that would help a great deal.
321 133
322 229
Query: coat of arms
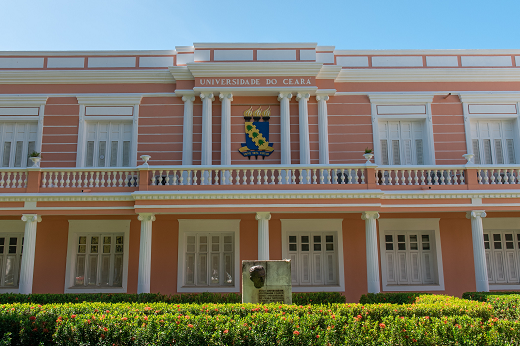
257 134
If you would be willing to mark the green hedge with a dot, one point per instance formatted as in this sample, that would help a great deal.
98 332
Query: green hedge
199 298
431 321
482 296
505 304
391 298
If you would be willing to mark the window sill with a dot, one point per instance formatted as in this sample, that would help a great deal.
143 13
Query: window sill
302 289
504 287
8 290
412 288
95 290
200 289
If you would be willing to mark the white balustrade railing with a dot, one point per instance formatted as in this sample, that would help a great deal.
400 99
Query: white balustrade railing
12 178
498 175
420 175
257 175
89 177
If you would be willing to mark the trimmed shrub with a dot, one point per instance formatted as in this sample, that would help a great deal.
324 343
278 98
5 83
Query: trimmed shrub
318 298
390 298
482 296
505 304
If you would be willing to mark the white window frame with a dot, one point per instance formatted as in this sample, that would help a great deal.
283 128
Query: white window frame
503 139
25 149
12 227
490 224
111 125
291 226
404 109
411 225
187 226
81 227
115 107
402 147
491 99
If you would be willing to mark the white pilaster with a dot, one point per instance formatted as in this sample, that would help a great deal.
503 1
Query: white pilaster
263 235
372 253
323 128
145 253
29 246
285 128
225 139
479 253
187 130
207 122
305 149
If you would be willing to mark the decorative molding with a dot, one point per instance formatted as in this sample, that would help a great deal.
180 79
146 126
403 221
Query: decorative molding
369 215
146 217
489 97
252 69
22 100
263 216
329 72
181 73
475 214
86 77
400 98
109 99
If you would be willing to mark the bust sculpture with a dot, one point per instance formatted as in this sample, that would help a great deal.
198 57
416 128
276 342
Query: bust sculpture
257 275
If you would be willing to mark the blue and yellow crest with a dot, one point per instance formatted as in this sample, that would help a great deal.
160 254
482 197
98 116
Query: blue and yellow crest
257 134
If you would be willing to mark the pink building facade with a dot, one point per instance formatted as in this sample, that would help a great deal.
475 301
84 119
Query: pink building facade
160 171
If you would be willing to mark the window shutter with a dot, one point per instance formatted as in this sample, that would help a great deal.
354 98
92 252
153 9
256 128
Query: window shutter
18 154
498 152
419 151
7 154
476 151
510 151
294 269
489 267
403 270
305 275
511 267
500 267
415 267
396 152
390 265
407 151
317 269
102 154
384 152
126 153
30 148
90 154
487 152
113 154
331 269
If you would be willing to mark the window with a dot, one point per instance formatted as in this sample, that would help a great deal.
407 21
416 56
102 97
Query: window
313 246
11 249
493 142
97 256
18 141
410 254
409 257
502 249
108 144
208 256
401 142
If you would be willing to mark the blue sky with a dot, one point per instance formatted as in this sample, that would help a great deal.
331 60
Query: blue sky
164 24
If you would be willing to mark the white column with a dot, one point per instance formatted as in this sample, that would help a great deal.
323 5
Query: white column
370 218
206 152
323 128
187 130
145 253
479 253
263 235
285 128
29 245
305 149
225 137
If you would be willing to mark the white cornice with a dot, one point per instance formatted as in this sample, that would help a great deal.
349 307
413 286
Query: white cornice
109 99
181 73
453 52
87 53
487 97
329 72
252 69
400 98
22 100
86 77
204 45
430 75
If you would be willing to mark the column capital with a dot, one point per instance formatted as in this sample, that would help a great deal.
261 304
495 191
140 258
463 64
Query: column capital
31 218
474 214
282 96
301 96
225 95
263 216
370 215
146 217
322 97
207 95
187 98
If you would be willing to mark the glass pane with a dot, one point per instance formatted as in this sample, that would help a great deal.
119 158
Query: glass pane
329 238
317 239
126 153
215 269
292 247
413 238
510 245
18 154
82 248
329 247
317 247
7 154
93 248
497 245
486 245
12 249
389 246
215 243
228 247
426 246
190 269
229 268
82 240
497 237
94 240
401 246
305 239
509 237
305 247
102 154
401 238
113 154
119 248
9 271
413 246
89 159
80 271
13 241
106 248
118 271
105 270
486 237
92 277
2 241
119 239
107 240
292 239
228 239
30 148
388 238
202 270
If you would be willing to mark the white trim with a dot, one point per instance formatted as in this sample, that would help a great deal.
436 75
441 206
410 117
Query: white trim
56 76
252 45
95 226
424 224
253 69
454 52
317 225
217 226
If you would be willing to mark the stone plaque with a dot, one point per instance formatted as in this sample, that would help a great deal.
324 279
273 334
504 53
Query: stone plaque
265 282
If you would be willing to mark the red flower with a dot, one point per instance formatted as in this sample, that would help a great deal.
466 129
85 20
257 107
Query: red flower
32 318
226 331
124 318
190 325
382 325
146 318
317 336
296 332
73 316
105 329
414 340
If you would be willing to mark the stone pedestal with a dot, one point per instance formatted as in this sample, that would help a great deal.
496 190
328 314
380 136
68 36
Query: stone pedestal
276 286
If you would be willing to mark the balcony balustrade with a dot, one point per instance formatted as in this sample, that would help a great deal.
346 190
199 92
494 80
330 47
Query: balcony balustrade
265 177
